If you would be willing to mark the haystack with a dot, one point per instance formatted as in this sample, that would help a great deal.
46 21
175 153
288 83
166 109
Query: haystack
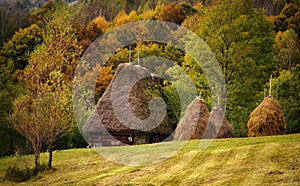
218 119
194 122
141 93
267 119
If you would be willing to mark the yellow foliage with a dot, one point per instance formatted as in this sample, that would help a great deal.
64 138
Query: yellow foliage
149 14
100 23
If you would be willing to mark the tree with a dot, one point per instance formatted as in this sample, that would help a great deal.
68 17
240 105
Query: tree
23 42
242 39
27 121
198 77
13 15
106 74
289 18
123 18
176 13
26 117
96 27
39 16
48 80
285 89
60 56
9 91
287 44
92 31
56 109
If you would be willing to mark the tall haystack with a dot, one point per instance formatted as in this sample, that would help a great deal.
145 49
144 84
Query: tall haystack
267 119
130 101
218 119
194 122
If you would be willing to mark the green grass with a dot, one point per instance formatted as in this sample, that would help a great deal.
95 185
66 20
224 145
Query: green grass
241 161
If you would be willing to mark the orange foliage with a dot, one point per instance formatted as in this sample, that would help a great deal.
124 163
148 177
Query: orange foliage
176 13
100 23
96 28
105 76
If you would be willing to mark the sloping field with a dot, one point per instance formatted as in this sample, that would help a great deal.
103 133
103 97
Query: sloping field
241 161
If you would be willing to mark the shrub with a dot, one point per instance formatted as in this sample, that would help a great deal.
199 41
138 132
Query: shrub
22 169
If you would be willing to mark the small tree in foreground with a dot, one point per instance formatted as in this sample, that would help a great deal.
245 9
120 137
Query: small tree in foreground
56 110
48 80
28 122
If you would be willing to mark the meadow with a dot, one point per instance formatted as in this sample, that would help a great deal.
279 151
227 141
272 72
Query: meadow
273 160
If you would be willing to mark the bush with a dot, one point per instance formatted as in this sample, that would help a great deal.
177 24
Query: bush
22 169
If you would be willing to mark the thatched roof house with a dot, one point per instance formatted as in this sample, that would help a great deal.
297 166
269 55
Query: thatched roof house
104 126
218 119
194 122
267 119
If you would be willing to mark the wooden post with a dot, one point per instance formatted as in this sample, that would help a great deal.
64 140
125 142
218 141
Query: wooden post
270 89
139 57
129 54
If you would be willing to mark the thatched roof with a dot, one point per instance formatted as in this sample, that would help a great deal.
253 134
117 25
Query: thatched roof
267 119
218 119
141 93
194 122
93 124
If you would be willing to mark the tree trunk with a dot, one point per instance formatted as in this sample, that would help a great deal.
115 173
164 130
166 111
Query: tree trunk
37 161
50 155
11 140
292 120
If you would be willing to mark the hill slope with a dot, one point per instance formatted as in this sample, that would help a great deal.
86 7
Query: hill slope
245 161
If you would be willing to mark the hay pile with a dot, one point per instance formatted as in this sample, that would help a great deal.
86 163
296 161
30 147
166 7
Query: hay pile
194 122
267 119
219 121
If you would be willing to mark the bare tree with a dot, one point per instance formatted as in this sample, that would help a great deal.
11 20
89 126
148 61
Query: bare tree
288 49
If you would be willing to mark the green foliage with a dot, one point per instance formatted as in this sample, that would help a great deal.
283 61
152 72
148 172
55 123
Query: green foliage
182 85
198 77
21 169
10 140
121 56
242 40
173 103
72 139
174 54
41 15
287 44
19 47
286 90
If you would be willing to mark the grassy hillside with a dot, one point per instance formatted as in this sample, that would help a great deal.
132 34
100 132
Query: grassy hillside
247 161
